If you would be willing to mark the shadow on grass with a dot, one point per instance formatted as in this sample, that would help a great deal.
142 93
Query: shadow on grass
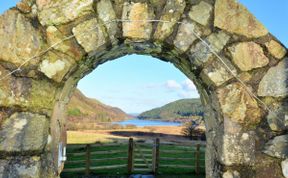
142 135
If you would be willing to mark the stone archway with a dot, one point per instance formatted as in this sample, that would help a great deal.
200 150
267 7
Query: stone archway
240 71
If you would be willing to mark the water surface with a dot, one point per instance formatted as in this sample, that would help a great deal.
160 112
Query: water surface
142 123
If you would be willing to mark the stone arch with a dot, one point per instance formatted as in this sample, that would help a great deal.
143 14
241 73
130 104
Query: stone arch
47 46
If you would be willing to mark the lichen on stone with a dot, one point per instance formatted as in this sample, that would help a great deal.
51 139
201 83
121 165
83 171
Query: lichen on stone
58 12
185 35
171 13
238 105
20 41
50 69
275 83
235 18
276 49
23 132
216 73
201 52
107 15
58 41
137 28
90 35
56 65
201 13
277 147
248 55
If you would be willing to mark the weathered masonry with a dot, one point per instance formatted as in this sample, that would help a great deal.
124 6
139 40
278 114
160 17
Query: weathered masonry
241 71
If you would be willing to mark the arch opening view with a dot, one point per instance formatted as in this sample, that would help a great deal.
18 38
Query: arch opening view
237 66
139 85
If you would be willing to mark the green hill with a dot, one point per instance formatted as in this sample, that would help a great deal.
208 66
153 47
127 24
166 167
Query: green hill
181 110
82 108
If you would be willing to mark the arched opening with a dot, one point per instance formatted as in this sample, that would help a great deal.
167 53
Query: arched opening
138 48
72 88
151 80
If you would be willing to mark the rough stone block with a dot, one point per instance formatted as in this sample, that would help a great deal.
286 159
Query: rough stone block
107 15
138 28
89 35
275 82
201 53
248 56
37 95
24 133
278 118
56 12
185 35
238 149
20 168
216 73
235 18
69 47
56 65
19 39
276 49
171 13
238 106
277 147
201 13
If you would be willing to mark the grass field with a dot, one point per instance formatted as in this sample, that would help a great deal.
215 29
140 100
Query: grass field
87 137
166 133
104 137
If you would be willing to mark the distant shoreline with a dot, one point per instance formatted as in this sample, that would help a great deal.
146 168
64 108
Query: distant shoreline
148 122
168 120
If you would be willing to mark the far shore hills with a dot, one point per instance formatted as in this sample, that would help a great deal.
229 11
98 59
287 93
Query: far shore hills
82 109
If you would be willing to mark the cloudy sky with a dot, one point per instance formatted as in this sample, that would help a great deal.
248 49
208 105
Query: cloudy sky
138 83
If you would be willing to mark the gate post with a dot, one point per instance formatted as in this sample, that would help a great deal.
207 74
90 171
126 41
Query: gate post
155 156
88 162
197 159
130 156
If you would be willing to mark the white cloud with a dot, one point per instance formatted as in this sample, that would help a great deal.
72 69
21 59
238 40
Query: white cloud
173 85
188 85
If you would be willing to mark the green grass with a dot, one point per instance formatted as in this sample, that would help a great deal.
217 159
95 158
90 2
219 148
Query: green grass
122 172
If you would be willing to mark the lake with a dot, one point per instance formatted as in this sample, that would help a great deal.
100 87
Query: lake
142 123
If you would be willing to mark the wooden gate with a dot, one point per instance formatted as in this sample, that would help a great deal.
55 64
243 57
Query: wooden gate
143 157
140 158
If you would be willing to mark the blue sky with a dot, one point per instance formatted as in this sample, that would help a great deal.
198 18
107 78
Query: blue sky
137 83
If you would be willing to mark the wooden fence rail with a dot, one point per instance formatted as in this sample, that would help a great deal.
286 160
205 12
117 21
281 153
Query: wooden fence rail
140 157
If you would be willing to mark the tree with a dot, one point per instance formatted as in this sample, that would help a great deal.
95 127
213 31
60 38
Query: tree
191 131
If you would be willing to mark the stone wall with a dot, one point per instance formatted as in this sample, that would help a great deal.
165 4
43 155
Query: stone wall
240 70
